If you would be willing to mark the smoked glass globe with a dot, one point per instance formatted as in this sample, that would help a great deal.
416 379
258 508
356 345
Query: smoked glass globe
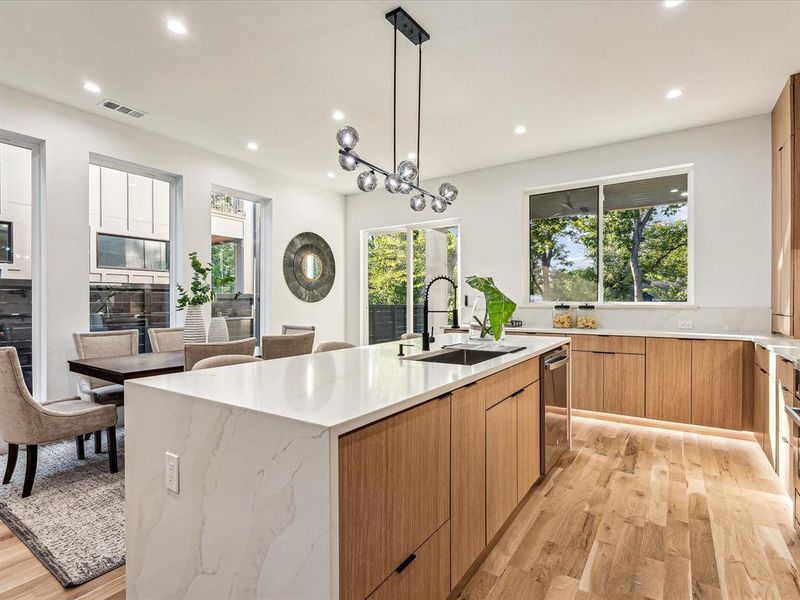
367 181
439 204
404 187
448 191
392 183
347 137
407 171
348 161
417 202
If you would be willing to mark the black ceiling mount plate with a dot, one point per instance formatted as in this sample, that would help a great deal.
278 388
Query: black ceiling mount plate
407 26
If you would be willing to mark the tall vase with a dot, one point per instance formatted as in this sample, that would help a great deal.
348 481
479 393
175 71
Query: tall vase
218 330
479 323
194 327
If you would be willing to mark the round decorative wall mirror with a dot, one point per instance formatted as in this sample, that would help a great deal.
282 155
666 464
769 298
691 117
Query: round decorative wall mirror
309 267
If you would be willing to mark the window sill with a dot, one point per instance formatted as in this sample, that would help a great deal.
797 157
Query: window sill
614 305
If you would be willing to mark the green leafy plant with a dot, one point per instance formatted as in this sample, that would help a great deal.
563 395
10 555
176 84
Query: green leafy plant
200 291
499 307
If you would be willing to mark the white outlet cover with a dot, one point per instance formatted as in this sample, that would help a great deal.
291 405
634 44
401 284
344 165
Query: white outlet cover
172 474
684 324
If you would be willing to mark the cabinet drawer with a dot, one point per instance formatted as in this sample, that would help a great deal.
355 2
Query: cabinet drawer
786 373
762 357
608 343
501 385
426 577
782 324
796 510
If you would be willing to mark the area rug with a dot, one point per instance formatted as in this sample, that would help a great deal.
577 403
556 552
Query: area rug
74 520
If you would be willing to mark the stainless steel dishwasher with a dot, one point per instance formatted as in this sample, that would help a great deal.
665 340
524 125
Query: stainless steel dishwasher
554 408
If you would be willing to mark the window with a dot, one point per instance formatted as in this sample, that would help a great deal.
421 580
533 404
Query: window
621 241
399 263
119 252
6 242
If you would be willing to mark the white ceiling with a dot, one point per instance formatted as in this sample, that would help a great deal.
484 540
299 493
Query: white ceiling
577 74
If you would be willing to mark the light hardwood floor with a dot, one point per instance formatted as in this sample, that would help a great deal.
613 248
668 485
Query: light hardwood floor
630 512
639 512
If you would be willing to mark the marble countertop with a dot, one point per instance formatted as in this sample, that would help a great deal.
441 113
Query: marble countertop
343 389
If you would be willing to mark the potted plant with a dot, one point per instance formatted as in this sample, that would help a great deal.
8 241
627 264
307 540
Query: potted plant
490 311
201 292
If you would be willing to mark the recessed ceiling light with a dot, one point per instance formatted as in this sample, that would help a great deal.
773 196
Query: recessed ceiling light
684 194
331 175
412 156
520 129
673 191
338 115
674 93
252 146
672 3
90 86
176 26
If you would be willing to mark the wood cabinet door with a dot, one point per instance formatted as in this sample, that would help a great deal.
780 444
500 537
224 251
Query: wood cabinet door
784 433
587 381
760 396
668 376
427 577
528 438
394 493
501 464
467 478
718 383
623 384
785 255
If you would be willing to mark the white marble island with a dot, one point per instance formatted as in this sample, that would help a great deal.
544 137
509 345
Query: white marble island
256 515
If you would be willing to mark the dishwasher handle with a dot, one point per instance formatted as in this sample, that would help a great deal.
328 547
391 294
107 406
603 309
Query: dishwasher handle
556 362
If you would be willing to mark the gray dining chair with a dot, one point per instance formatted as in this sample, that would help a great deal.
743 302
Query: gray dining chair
97 344
193 353
290 329
281 346
27 423
224 360
166 339
330 346
410 336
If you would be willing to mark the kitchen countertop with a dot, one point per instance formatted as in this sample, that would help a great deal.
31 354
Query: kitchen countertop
344 389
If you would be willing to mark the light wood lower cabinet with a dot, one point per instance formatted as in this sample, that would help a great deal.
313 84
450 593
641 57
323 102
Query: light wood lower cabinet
783 437
668 371
467 478
761 388
394 493
426 577
718 382
528 450
587 381
501 464
623 384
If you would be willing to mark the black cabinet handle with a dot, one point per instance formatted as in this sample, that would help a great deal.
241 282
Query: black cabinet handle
404 565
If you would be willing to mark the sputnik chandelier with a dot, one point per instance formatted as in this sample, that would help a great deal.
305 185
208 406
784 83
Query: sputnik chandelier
404 177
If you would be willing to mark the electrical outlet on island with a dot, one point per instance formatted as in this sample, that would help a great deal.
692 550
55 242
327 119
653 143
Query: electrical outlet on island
686 324
172 472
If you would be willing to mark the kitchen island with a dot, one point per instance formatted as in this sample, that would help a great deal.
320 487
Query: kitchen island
343 474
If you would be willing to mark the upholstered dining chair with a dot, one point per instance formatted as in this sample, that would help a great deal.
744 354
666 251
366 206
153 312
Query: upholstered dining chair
192 353
223 360
330 346
410 336
281 346
27 423
291 329
98 344
166 339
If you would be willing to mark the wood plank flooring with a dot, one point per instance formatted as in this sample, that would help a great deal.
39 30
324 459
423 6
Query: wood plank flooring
639 512
631 512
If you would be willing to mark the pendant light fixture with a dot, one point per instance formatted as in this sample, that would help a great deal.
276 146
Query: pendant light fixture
403 178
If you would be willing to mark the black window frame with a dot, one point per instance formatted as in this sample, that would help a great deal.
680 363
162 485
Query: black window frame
10 251
131 237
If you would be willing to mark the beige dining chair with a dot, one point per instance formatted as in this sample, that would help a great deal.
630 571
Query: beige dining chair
410 336
193 353
27 423
97 344
224 360
330 346
281 346
291 329
166 339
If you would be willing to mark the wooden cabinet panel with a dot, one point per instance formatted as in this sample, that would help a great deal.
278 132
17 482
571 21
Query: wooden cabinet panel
718 383
760 397
782 116
784 451
427 577
786 373
394 493
501 464
668 370
468 478
785 265
528 437
511 380
761 357
608 343
623 384
587 381
525 374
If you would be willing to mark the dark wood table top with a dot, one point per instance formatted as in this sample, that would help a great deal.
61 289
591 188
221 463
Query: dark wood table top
118 369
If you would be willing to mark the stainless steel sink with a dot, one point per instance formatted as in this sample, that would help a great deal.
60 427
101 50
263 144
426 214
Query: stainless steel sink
456 356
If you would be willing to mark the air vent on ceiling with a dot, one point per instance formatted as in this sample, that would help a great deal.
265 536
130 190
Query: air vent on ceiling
120 108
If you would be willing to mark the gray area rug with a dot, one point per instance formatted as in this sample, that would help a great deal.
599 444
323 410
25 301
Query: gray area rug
74 520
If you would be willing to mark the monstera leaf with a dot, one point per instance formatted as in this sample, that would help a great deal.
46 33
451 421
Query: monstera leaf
499 307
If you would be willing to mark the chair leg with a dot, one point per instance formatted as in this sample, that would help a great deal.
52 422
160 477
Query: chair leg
111 434
13 450
98 448
30 469
79 447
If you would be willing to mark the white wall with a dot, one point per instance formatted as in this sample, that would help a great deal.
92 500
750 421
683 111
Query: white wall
71 135
731 222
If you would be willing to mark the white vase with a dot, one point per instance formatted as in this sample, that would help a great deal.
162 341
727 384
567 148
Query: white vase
194 327
218 330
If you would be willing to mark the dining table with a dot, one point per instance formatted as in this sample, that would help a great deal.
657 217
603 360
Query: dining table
119 369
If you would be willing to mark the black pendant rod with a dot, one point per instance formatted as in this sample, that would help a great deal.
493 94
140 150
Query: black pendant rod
419 105
394 101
